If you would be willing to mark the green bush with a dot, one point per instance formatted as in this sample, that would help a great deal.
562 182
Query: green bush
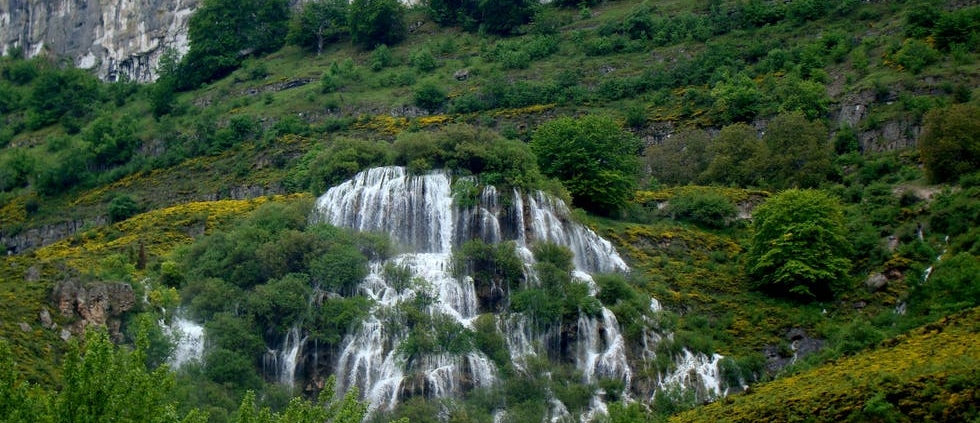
423 60
951 287
710 209
478 151
343 158
915 55
430 96
381 58
122 207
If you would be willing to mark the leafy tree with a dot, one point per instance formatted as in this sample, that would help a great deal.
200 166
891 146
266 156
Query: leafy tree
799 247
452 12
278 304
797 152
733 156
374 22
327 408
737 99
504 16
806 96
15 169
122 207
497 17
65 96
592 156
680 159
161 93
222 32
104 383
950 142
318 23
67 170
112 141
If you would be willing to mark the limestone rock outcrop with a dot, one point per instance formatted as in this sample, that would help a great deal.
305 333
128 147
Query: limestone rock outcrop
98 303
117 39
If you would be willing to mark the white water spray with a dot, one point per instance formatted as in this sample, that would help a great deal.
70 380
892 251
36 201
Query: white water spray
418 213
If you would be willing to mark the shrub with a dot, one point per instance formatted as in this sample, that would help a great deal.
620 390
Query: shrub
341 160
707 208
951 286
122 207
915 55
430 96
381 58
423 60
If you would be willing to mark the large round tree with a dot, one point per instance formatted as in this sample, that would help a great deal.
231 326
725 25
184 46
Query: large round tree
950 142
593 157
800 247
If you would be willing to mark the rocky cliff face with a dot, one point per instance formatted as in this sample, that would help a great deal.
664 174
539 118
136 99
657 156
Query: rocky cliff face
100 304
117 39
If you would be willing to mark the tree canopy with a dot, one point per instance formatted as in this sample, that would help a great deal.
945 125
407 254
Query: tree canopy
223 32
593 157
497 17
376 22
318 23
950 142
799 247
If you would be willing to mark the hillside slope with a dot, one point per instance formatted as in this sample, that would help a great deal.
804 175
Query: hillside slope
731 103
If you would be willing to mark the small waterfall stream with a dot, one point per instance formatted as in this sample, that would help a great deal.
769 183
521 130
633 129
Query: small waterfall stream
419 215
188 340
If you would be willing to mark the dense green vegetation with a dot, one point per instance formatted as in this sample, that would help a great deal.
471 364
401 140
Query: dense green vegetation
757 99
107 383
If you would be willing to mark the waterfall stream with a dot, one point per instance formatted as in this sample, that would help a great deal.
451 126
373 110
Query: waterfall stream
188 340
419 215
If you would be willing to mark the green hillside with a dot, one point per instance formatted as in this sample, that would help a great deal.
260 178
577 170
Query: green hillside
776 174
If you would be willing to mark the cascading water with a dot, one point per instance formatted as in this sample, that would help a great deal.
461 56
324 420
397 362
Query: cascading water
419 215
188 339
288 356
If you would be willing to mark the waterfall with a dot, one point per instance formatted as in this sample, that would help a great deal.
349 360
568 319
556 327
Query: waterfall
280 364
188 339
696 370
419 215
289 356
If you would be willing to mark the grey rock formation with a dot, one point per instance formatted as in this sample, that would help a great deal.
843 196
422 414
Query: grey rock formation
45 317
117 39
100 303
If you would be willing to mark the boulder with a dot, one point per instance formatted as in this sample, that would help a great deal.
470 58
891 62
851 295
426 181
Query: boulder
876 281
45 318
